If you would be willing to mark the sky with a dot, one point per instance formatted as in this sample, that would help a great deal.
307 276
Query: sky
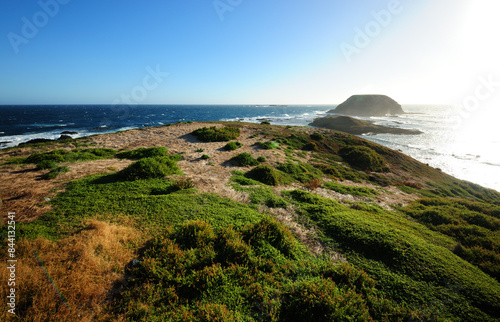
249 52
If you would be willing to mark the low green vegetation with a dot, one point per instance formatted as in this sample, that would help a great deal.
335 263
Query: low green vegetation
348 190
233 146
301 172
475 226
268 145
407 260
75 155
149 168
244 159
54 172
214 134
268 175
258 272
140 153
364 158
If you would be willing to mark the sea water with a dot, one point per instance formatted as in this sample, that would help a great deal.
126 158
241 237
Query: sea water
445 143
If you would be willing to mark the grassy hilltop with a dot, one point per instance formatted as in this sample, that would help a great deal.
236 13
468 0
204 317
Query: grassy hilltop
240 222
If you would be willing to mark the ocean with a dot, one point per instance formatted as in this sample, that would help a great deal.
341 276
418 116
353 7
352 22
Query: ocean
445 143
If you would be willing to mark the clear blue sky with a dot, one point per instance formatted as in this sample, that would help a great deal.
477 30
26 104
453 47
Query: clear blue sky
246 51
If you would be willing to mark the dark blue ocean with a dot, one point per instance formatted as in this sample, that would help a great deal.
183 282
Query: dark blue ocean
446 143
25 122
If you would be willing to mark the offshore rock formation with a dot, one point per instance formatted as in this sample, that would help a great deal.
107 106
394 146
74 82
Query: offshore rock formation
369 105
354 126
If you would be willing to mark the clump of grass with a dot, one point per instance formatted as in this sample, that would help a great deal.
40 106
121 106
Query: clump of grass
183 184
199 150
347 190
75 155
268 145
55 172
364 158
233 146
244 159
265 123
214 134
313 184
261 159
148 168
267 175
317 136
302 172
140 153
205 157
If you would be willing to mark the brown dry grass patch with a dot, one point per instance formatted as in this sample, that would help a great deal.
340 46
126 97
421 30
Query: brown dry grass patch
84 268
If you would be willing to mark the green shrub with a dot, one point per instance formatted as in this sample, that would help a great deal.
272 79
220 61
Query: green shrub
244 159
139 153
214 134
55 172
268 145
317 136
261 159
148 168
205 157
302 172
311 146
200 150
46 164
265 123
267 175
364 158
233 146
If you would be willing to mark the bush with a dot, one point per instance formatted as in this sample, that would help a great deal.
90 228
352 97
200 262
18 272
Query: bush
269 145
317 136
364 158
55 172
265 123
205 157
46 164
148 168
261 159
267 175
214 134
140 153
302 172
233 146
244 159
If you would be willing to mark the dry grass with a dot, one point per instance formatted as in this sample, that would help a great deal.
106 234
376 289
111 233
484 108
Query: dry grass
83 267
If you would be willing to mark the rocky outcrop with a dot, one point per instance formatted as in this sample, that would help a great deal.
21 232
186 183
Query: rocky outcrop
369 105
354 126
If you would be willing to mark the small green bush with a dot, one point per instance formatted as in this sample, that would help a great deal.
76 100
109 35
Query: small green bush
302 172
233 146
244 159
149 168
268 145
46 164
317 136
261 159
139 153
267 175
364 158
214 134
55 172
205 157
200 150
265 123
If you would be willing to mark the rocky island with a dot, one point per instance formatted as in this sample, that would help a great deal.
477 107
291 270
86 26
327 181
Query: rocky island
355 126
369 105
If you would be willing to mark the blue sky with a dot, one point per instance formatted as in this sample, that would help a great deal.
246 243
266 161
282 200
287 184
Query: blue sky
247 52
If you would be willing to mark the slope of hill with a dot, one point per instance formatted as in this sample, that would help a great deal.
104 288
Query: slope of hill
289 224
